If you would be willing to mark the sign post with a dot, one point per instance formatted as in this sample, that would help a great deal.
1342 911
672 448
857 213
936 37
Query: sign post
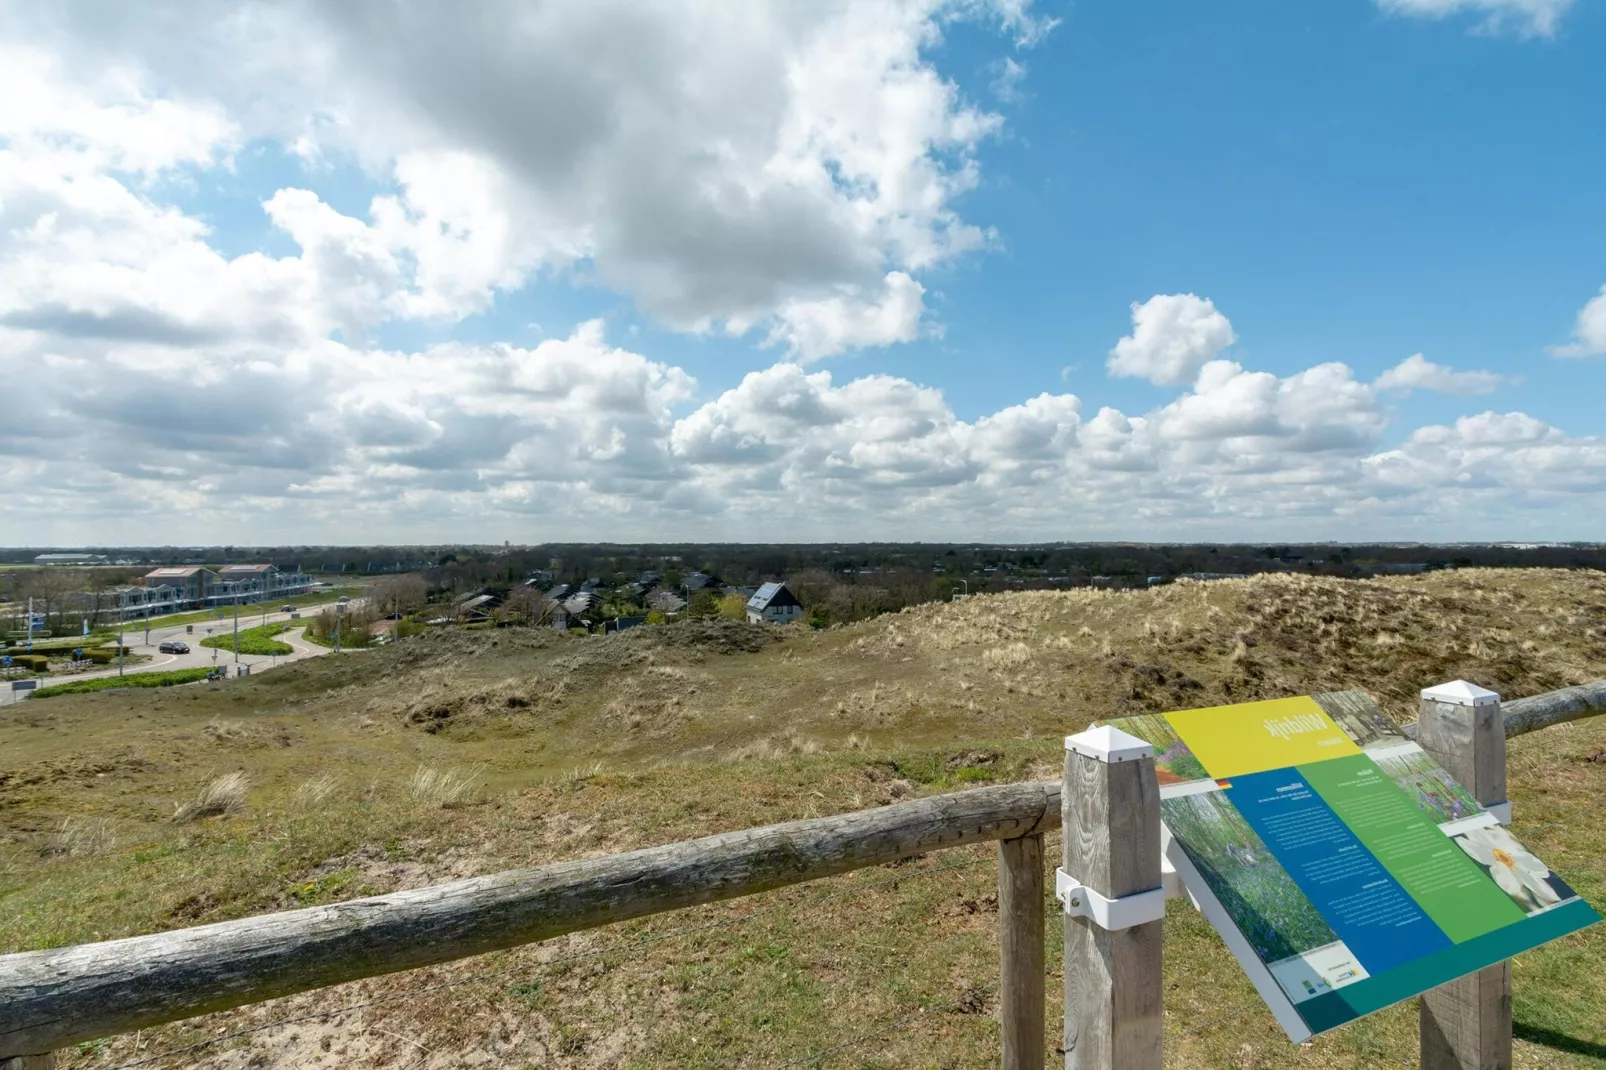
1110 814
1466 1024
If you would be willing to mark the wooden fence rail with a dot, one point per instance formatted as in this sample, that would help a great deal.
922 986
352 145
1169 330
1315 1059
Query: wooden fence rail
54 998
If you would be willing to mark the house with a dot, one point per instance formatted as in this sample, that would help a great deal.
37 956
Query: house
666 602
477 607
578 605
192 584
70 559
774 603
696 581
560 592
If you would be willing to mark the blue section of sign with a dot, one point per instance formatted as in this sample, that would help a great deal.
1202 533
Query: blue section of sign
1380 924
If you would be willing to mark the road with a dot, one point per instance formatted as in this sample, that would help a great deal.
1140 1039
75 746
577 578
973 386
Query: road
199 657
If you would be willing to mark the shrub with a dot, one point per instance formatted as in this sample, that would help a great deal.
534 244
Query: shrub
31 662
108 683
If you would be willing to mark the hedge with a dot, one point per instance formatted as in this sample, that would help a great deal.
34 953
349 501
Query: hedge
108 683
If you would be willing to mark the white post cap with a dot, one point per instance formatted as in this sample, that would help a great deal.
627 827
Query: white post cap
1108 744
1460 693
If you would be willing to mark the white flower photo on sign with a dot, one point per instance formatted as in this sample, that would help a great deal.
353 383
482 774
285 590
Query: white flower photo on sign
1519 874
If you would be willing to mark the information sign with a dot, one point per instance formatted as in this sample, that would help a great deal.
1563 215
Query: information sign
1344 868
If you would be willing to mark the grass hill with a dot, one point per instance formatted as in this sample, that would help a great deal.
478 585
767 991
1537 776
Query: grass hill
469 752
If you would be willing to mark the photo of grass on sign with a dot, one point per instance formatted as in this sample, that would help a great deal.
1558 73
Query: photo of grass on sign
1174 763
1521 875
1253 887
1426 784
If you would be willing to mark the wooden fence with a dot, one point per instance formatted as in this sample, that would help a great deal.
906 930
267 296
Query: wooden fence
54 998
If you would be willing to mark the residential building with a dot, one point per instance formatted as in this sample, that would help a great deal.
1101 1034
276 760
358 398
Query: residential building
258 583
774 603
666 602
192 584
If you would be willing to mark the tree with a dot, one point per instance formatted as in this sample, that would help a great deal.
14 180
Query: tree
528 605
733 607
400 594
703 605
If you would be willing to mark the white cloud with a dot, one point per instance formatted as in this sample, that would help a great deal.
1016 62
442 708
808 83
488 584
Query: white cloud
720 164
1173 336
1416 372
1589 333
788 170
851 319
1528 18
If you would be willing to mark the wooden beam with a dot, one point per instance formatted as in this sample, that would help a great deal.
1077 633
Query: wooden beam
52 999
1554 707
1020 940
1466 1024
46 1061
1111 843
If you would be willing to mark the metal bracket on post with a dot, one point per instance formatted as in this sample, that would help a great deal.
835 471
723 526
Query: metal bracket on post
1081 901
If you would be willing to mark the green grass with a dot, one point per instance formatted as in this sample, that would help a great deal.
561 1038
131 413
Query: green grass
258 640
110 683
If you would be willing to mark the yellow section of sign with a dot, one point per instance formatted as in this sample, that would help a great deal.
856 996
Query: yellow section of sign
1253 737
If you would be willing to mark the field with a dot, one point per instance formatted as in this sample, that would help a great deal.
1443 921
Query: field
461 753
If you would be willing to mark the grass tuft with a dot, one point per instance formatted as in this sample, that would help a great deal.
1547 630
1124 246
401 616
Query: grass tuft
222 795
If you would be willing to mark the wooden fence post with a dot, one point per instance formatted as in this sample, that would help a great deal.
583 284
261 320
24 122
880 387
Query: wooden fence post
1110 816
1020 940
1466 1024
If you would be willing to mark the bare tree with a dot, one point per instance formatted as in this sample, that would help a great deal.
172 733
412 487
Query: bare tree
529 605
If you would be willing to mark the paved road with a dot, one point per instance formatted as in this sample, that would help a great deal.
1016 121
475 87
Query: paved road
199 657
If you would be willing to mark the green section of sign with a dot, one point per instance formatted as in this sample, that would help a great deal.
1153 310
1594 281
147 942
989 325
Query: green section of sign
1373 994
1451 888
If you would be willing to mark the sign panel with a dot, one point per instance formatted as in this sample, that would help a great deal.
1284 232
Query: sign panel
1344 868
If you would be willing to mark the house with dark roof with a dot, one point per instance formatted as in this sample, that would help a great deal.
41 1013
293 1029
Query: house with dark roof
666 602
774 603
696 581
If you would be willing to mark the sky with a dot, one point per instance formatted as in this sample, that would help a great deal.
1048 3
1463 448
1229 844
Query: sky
394 271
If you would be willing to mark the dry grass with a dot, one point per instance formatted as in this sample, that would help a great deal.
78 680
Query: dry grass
577 748
78 837
442 787
223 795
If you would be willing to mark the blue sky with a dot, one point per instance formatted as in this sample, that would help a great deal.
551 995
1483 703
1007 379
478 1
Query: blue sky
805 277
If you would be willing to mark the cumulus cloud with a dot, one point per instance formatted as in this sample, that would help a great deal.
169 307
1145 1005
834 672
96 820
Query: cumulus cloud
1173 336
1527 18
722 165
1589 333
788 170
1416 372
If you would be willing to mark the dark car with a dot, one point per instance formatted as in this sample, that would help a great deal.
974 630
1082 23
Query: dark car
173 646
287 608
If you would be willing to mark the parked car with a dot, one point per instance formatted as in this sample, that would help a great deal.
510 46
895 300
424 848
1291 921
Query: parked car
287 608
173 646
343 598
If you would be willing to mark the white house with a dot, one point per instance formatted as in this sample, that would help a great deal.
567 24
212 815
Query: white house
774 604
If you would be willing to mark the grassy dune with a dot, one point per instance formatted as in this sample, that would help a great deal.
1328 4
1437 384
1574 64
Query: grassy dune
458 754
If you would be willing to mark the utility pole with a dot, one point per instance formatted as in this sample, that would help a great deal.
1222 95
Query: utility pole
119 645
30 624
236 624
